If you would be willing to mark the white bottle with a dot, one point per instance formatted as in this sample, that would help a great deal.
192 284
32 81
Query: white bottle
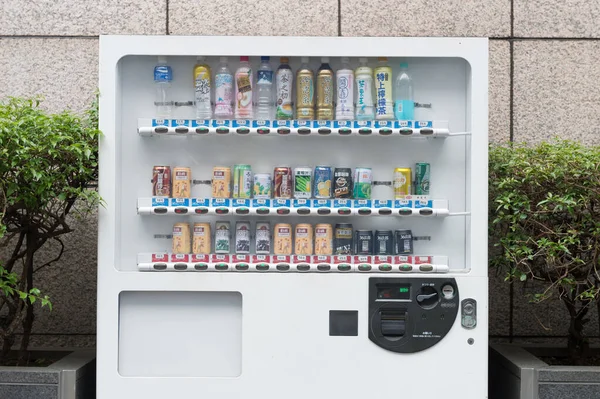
364 91
163 75
344 79
404 104
202 89
264 92
223 91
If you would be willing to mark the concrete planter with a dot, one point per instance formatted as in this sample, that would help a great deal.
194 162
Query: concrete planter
516 373
72 377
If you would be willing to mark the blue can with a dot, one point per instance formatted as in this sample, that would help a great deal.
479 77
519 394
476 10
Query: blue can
323 182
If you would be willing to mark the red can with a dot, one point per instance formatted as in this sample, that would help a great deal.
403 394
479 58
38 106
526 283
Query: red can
161 181
282 182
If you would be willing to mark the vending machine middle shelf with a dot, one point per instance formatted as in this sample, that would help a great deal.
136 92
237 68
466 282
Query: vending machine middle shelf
293 263
410 206
193 127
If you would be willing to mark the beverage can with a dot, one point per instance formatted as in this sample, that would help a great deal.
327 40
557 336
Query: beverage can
303 242
343 239
222 237
182 182
364 91
402 182
363 242
343 186
383 242
422 171
363 180
305 101
383 85
302 182
282 182
242 237
182 243
325 91
262 186
263 238
202 238
322 182
221 182
284 80
283 239
242 181
161 181
323 239
403 242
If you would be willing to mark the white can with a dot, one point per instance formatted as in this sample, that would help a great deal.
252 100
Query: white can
242 238
263 238
222 237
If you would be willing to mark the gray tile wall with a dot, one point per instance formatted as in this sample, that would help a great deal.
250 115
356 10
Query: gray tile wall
544 78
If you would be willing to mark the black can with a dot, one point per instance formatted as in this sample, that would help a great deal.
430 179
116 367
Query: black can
384 242
342 183
343 239
363 242
403 242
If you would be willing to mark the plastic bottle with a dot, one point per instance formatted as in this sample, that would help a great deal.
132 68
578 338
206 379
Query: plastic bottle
305 92
325 91
243 90
344 78
285 80
384 106
202 88
264 90
364 91
163 76
223 91
404 107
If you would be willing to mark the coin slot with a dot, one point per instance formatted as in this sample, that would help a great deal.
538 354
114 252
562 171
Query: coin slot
160 266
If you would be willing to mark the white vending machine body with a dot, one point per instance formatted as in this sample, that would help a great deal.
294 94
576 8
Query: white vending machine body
234 326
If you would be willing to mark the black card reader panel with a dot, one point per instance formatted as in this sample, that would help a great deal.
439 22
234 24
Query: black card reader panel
408 315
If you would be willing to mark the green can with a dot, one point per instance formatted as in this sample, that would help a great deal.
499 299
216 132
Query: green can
242 181
422 170
363 179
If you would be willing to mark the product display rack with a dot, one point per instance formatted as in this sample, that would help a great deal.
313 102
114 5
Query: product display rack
260 323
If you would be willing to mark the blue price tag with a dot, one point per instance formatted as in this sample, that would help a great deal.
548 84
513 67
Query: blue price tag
423 204
338 124
321 203
342 203
359 124
200 122
403 124
402 203
380 124
282 123
383 204
160 122
423 124
362 203
180 202
301 203
241 123
221 123
261 123
180 122
261 203
241 202
200 202
301 123
322 123
220 202
281 203
160 202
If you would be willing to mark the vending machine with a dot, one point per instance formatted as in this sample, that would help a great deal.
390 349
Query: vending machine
293 217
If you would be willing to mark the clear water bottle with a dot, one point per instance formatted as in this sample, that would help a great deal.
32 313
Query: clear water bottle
404 103
223 91
163 75
264 92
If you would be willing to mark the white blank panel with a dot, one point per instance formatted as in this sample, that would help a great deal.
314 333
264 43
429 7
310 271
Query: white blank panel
180 334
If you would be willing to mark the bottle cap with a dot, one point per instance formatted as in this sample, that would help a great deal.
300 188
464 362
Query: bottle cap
162 59
305 60
244 58
362 60
265 58
223 59
381 58
325 60
284 60
345 60
404 65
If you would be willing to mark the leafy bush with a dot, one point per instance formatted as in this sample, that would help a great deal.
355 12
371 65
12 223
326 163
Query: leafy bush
545 223
47 162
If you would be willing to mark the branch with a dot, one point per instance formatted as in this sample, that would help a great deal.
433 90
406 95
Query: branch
62 250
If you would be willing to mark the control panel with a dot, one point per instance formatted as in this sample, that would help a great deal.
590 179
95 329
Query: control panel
408 315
